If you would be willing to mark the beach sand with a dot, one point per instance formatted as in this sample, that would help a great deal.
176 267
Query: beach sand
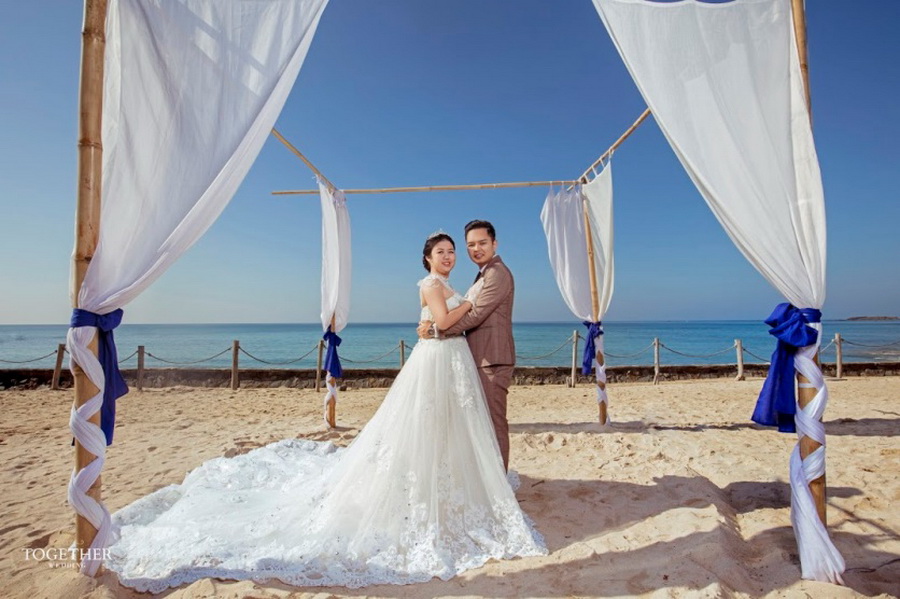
681 497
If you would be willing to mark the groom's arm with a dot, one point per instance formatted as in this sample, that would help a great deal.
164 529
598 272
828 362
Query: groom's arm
497 286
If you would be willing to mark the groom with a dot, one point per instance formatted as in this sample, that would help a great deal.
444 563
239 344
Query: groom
488 326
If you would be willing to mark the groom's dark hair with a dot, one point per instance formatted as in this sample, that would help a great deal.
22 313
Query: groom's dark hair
482 224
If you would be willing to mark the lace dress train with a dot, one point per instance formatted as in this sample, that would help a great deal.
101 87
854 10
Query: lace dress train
420 493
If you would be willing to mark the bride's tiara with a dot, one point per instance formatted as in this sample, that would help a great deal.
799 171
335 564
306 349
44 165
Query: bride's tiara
436 233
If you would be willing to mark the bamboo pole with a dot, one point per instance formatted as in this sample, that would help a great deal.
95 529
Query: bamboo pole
656 360
87 219
57 370
319 366
839 352
583 178
305 160
806 394
331 404
739 349
140 368
434 187
235 373
574 358
799 14
595 302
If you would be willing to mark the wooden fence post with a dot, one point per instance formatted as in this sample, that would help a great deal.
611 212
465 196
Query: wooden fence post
656 360
235 376
140 368
574 358
739 348
839 351
60 352
402 353
319 366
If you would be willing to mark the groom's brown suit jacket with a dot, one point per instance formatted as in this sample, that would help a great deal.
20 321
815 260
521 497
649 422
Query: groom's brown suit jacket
488 325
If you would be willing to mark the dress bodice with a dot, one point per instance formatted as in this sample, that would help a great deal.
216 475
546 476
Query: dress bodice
453 301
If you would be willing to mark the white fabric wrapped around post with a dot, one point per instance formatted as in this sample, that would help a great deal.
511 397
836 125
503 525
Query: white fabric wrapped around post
336 269
723 82
564 226
192 89
598 196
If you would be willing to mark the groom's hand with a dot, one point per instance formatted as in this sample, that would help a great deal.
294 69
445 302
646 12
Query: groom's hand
424 329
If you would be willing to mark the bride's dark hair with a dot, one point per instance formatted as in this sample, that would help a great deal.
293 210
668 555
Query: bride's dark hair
429 245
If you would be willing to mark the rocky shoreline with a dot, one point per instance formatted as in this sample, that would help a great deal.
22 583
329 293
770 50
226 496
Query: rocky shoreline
383 377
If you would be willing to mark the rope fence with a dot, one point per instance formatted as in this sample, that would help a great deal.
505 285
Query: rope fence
760 358
123 360
717 353
634 355
189 363
570 342
252 357
872 346
29 361
381 357
545 356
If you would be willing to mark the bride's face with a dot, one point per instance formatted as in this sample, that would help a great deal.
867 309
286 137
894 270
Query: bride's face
442 258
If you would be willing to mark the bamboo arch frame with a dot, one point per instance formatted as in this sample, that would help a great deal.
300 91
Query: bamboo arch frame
88 207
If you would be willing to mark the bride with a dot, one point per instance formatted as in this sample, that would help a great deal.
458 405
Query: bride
421 492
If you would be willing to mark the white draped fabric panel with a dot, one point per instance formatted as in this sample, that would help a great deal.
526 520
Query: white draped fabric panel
599 197
192 90
336 258
336 263
723 82
563 220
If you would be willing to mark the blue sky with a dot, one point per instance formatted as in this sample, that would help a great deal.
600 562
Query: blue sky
420 92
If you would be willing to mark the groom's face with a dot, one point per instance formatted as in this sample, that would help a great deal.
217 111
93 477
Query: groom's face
480 246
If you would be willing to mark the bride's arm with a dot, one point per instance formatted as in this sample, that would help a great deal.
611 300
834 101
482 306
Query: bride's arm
434 298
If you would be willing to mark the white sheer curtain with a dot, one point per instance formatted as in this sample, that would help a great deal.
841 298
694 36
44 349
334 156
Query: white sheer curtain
723 82
564 227
336 264
192 90
336 258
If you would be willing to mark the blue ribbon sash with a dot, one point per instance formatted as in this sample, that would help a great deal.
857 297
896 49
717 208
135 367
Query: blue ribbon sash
777 403
332 360
595 329
114 385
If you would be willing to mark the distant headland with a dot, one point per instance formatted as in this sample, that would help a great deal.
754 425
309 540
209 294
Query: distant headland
874 318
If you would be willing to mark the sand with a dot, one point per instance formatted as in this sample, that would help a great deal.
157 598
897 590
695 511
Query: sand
681 497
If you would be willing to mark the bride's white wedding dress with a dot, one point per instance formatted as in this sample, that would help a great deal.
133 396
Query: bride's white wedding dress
421 492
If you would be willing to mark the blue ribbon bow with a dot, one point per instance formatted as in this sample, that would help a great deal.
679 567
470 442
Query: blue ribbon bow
777 403
595 329
114 386
332 360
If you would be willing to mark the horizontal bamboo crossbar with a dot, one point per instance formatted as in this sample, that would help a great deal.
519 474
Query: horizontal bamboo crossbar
562 182
435 187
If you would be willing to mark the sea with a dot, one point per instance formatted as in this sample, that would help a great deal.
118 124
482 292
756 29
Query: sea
378 345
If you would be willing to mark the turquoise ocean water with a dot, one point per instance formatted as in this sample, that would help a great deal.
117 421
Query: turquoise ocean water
364 345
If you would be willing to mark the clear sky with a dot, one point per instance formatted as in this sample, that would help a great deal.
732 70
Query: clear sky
421 92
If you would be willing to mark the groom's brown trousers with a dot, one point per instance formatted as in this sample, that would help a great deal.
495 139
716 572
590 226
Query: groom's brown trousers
495 380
